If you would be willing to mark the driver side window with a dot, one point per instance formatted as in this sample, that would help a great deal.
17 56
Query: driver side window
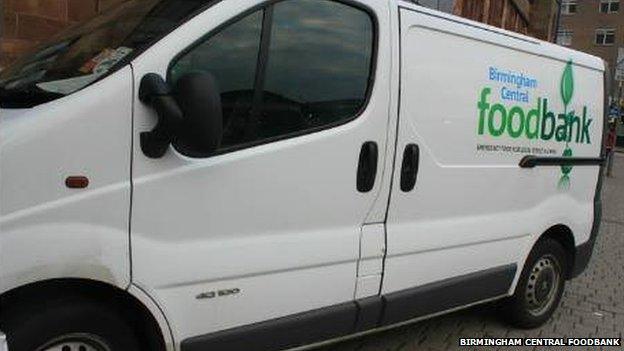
293 67
231 57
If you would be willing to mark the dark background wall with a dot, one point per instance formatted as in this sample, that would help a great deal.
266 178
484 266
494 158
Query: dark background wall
26 22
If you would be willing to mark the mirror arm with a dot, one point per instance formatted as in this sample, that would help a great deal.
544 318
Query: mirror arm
155 92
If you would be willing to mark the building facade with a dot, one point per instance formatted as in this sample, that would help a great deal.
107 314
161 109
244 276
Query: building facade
593 26
537 18
597 27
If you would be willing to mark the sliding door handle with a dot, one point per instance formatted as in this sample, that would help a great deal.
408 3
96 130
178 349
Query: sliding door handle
409 169
367 167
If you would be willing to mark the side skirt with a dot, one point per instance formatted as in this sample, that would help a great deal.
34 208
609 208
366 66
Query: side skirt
391 326
447 294
361 315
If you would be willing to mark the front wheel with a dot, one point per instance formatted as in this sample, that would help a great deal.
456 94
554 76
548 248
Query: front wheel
540 287
70 325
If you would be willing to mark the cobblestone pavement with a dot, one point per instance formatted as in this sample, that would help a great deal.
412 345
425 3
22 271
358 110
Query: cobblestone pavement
593 304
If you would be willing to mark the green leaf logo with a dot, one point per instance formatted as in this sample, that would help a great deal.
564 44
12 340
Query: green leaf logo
567 90
566 169
567 84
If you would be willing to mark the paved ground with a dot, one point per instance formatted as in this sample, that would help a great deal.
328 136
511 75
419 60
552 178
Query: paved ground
593 304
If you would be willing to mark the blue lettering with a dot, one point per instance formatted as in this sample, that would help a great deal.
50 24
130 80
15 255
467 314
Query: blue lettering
514 95
517 79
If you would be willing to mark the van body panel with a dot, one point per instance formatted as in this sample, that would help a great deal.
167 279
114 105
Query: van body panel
85 230
379 211
278 222
361 315
466 176
370 263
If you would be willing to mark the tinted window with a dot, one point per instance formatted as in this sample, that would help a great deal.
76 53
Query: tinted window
231 56
88 52
318 66
312 71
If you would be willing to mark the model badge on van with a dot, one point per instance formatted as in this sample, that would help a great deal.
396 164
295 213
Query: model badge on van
218 293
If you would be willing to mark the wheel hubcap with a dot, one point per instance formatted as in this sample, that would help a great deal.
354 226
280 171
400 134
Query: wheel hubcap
76 342
541 290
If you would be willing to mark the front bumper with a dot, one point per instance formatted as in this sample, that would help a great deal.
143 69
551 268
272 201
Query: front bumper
3 342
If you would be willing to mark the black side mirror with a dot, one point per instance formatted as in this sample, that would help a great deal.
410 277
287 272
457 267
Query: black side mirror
198 96
155 92
189 116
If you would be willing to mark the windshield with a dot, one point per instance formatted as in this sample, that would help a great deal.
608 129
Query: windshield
84 54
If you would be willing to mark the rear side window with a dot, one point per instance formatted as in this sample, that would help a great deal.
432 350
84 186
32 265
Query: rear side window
291 68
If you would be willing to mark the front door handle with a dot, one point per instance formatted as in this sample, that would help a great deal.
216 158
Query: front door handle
409 169
367 167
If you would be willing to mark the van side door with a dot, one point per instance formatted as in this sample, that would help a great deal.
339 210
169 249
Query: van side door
466 208
270 225
459 220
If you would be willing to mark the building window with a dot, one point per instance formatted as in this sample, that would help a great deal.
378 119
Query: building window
564 37
609 6
605 36
568 7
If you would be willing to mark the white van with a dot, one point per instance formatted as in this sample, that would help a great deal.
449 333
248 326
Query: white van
266 175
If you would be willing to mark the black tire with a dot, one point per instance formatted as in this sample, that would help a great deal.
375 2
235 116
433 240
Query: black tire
71 321
537 294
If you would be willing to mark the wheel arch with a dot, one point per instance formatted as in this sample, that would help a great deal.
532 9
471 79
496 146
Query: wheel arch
562 234
148 326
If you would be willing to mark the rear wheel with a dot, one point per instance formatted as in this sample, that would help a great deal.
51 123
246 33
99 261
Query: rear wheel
70 325
540 287
76 342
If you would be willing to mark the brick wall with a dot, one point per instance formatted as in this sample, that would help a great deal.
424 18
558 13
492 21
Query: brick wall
27 22
509 14
537 18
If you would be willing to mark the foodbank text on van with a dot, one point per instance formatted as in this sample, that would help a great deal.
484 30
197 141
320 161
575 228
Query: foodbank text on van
538 122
